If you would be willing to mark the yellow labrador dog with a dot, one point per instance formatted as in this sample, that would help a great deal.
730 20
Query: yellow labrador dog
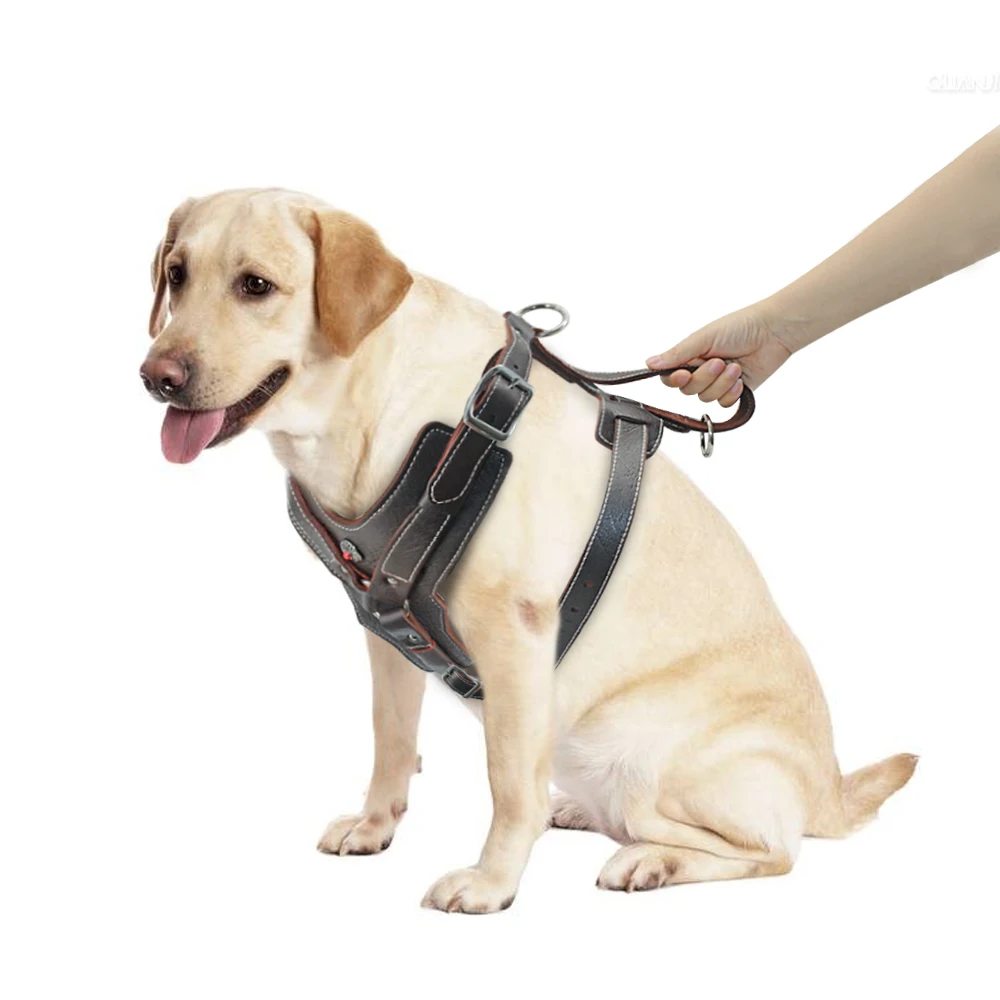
686 723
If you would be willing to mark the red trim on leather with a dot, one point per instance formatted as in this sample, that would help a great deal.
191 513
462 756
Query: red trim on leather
361 579
346 522
447 623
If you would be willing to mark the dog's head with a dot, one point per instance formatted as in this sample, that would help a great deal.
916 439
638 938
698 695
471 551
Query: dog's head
249 288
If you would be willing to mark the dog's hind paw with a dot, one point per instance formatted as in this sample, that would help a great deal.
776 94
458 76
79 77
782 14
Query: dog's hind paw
638 868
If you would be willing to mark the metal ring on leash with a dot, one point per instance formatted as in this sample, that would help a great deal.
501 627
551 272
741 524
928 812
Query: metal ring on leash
707 437
563 312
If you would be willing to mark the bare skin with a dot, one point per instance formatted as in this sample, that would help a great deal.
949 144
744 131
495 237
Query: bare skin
949 222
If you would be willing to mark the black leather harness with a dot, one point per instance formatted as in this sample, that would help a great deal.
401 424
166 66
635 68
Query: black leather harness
394 559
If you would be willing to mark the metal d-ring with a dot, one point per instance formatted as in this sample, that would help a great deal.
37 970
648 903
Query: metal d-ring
563 323
707 437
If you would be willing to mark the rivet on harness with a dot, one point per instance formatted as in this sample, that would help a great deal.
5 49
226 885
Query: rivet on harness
394 559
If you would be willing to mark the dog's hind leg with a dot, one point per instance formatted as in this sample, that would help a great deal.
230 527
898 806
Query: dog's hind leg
641 866
741 820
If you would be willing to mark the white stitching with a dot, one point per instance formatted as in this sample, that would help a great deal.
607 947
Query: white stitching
472 528
597 524
656 444
437 478
600 421
514 414
385 562
305 517
458 552
301 533
468 482
464 434
607 441
621 539
436 432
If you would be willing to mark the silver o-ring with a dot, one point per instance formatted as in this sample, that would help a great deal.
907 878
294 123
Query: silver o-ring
707 437
563 312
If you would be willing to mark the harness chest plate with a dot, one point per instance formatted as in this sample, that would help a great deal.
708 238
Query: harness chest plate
394 559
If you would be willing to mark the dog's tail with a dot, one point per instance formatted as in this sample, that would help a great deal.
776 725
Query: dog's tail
863 791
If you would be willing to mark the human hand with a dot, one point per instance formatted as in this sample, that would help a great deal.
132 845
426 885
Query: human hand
742 347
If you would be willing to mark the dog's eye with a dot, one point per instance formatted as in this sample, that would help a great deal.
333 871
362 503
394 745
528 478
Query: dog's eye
254 284
175 274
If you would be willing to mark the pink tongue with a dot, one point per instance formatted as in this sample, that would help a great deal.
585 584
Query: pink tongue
185 434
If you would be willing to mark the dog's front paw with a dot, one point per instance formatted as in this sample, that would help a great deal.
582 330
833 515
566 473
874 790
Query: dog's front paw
360 834
470 890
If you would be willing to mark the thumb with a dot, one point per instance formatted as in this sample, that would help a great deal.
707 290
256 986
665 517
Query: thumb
695 346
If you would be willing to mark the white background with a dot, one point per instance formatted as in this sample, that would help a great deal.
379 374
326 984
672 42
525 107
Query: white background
184 697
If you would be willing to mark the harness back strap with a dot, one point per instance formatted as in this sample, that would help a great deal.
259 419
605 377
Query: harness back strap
395 558
628 457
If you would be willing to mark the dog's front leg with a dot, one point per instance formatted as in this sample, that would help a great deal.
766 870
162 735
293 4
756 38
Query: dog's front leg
517 674
397 693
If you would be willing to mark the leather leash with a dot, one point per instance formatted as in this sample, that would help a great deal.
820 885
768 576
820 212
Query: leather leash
395 558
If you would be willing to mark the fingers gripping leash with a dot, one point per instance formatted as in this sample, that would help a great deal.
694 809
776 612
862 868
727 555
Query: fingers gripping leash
591 380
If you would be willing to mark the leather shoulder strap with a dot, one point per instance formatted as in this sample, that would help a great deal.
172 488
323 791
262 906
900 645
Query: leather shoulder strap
628 457
490 415
633 431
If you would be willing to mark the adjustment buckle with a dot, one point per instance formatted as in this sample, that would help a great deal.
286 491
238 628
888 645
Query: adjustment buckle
461 683
477 423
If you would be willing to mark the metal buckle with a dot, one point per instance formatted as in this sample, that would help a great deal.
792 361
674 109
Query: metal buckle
461 683
477 423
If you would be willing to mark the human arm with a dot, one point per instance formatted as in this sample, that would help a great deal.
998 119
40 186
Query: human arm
949 222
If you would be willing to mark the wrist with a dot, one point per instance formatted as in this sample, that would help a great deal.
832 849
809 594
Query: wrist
790 326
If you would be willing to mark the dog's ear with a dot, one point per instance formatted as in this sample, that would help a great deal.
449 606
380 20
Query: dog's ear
358 282
158 314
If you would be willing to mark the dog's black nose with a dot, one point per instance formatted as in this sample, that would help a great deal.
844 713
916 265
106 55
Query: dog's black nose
164 378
